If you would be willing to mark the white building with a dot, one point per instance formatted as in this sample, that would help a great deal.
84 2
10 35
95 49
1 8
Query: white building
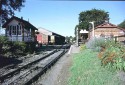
17 29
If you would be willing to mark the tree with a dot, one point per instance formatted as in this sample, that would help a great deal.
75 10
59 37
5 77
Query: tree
96 15
67 39
7 7
3 40
122 24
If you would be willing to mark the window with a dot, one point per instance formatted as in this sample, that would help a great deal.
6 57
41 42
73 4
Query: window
28 32
14 30
10 29
7 30
102 35
111 35
19 29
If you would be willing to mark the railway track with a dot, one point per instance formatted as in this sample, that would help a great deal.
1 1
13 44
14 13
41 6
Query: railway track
44 69
23 59
27 74
22 67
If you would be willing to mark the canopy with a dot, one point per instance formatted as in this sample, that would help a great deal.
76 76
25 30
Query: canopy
83 31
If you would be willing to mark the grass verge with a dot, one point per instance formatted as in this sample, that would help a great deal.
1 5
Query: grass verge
87 70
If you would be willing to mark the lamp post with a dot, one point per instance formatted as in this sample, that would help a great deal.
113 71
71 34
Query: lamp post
77 36
0 24
93 35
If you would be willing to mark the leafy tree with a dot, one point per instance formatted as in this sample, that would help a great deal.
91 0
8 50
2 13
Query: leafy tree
122 24
13 49
7 7
67 39
98 16
3 40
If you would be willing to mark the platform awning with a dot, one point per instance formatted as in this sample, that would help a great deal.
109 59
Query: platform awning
83 31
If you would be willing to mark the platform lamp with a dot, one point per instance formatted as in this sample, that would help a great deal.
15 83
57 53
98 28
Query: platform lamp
93 35
77 36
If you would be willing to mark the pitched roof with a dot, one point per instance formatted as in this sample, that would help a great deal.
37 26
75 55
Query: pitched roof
44 31
40 29
106 25
26 23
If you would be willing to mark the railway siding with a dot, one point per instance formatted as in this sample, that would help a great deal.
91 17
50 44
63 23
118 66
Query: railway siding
13 72
28 72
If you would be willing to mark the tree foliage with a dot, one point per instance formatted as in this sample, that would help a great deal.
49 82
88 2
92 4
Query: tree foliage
3 40
96 15
122 24
7 7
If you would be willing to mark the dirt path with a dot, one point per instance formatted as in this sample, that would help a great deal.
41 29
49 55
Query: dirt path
65 72
59 73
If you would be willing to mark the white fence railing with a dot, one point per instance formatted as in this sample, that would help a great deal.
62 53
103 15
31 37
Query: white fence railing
20 38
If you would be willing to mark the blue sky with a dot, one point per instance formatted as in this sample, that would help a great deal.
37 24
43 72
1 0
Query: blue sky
62 16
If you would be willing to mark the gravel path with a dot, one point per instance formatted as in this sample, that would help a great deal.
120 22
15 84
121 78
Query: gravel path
64 73
59 73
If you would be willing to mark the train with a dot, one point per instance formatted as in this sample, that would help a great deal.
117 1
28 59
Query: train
46 37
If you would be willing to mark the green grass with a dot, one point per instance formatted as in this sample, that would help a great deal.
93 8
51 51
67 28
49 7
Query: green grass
87 70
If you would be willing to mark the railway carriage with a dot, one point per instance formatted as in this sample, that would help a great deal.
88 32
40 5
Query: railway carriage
50 38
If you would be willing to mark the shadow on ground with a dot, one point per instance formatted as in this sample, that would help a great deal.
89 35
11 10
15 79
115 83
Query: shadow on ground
4 61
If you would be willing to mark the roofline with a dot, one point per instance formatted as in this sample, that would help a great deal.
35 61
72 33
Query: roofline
18 19
109 27
106 27
44 29
50 31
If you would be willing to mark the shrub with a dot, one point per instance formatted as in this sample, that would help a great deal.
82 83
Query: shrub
8 48
30 47
96 44
86 70
3 41
82 47
14 48
21 46
111 53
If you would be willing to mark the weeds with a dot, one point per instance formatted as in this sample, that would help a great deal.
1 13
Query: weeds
111 53
86 70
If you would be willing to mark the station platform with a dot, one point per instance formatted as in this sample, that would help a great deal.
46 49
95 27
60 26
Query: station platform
74 49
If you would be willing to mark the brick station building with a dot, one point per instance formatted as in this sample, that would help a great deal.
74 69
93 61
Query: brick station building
108 30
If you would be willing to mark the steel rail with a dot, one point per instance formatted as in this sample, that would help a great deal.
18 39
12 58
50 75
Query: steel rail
3 77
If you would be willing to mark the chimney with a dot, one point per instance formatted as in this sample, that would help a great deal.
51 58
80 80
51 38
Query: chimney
107 20
28 19
22 18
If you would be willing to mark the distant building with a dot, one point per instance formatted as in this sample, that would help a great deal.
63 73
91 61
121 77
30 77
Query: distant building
108 30
45 36
42 38
105 30
17 29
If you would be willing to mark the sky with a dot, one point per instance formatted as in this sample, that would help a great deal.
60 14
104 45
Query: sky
61 17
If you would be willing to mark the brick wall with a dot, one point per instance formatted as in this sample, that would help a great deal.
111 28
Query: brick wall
108 32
